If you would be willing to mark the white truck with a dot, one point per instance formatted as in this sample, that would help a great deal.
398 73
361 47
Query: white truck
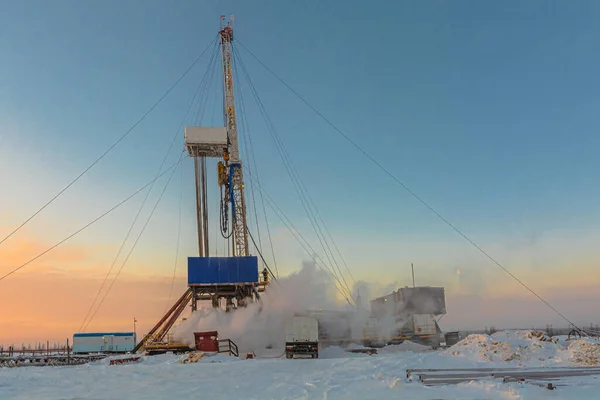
302 337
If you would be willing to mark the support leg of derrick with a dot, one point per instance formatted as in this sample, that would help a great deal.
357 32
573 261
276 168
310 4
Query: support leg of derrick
194 299
229 304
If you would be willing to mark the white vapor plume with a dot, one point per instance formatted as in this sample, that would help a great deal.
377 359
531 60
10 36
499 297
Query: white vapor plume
262 324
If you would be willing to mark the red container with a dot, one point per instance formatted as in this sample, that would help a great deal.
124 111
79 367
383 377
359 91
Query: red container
207 341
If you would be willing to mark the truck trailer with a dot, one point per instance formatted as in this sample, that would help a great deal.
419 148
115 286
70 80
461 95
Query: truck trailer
302 337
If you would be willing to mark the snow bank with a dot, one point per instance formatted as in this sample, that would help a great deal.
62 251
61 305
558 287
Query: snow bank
333 352
341 352
345 376
355 346
584 352
525 348
336 374
407 345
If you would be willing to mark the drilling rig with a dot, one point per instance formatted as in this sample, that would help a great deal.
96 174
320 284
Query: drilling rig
234 279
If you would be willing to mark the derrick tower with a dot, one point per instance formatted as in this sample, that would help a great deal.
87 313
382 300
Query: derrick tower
232 279
235 277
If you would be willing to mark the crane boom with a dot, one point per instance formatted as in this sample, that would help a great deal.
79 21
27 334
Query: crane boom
232 156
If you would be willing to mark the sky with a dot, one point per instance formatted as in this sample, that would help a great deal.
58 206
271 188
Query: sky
486 110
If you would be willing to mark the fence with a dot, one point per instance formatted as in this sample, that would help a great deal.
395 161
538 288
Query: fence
38 349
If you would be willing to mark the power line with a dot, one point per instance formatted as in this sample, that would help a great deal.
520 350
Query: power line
134 243
249 147
404 186
202 105
178 237
212 79
260 254
88 225
244 129
112 146
299 186
207 81
305 198
197 94
302 241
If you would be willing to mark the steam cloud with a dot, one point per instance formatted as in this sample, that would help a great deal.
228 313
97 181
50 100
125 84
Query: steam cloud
261 325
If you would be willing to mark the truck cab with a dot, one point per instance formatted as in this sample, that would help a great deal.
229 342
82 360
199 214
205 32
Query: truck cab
302 337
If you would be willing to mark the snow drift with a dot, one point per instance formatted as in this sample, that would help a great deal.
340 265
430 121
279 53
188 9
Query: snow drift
341 375
526 348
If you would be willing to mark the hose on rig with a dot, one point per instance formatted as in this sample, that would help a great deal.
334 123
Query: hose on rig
224 217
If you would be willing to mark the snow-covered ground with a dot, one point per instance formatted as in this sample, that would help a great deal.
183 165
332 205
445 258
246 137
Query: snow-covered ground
337 374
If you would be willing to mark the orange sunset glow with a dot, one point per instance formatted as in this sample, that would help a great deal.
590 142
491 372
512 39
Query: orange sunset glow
49 299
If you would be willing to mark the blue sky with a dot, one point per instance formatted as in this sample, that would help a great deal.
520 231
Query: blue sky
486 110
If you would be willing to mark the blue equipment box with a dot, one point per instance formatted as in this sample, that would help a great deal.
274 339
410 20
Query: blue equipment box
222 270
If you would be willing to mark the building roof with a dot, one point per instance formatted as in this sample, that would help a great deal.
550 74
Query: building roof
96 334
